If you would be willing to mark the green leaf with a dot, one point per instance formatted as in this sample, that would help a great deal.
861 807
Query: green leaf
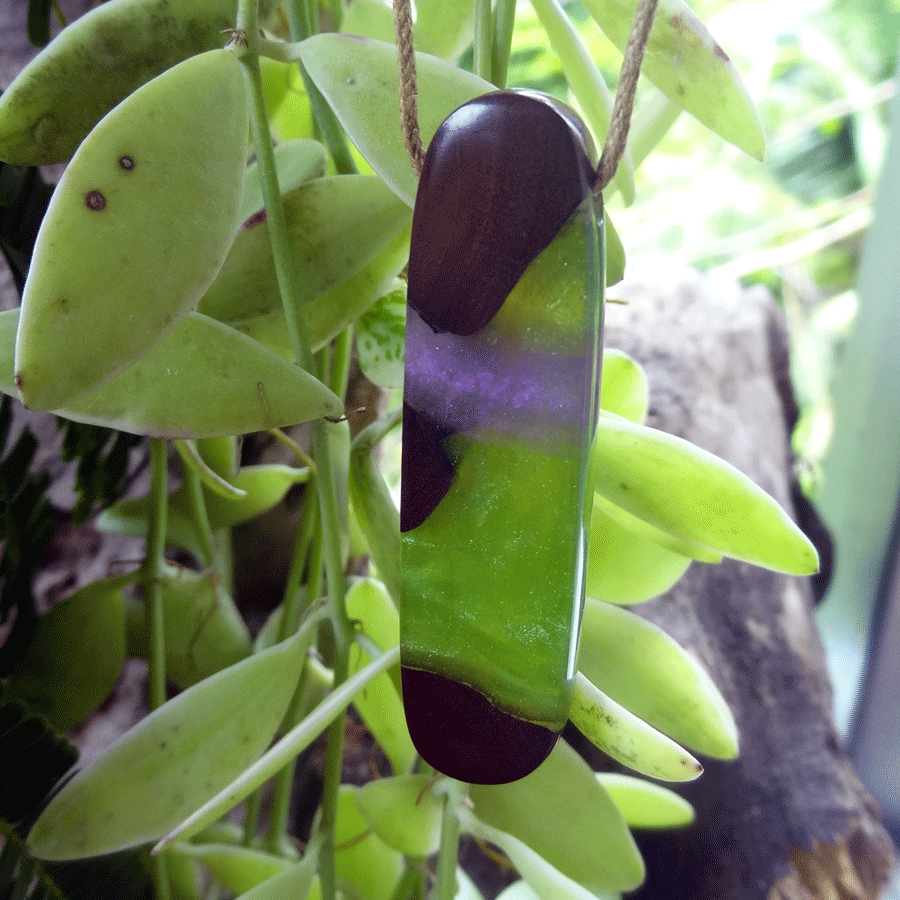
294 882
95 63
643 529
447 27
627 565
540 875
336 225
692 494
363 859
380 334
330 313
560 814
380 705
172 761
684 61
586 83
640 667
296 162
203 380
371 19
626 738
237 868
404 813
75 655
285 750
624 389
192 459
644 804
203 631
615 252
359 79
150 202
522 890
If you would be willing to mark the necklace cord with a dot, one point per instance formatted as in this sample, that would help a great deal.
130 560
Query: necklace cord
623 106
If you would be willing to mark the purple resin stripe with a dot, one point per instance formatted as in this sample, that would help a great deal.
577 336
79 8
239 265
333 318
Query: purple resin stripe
466 381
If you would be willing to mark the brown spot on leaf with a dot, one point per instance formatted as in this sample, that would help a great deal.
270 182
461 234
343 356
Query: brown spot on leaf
676 22
126 162
721 53
18 380
94 200
256 219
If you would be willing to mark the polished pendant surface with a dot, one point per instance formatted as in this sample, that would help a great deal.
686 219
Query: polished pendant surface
504 325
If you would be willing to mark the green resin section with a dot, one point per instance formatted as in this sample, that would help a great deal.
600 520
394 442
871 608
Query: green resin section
492 581
490 594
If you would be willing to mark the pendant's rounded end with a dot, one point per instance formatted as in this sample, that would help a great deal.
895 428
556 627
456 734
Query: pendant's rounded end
459 732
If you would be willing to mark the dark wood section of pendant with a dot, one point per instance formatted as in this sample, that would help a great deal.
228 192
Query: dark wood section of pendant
458 731
502 175
426 473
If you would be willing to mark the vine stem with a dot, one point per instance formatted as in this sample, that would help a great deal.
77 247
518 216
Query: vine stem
504 23
152 572
323 452
448 850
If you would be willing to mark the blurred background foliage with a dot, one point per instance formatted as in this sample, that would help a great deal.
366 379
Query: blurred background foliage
821 74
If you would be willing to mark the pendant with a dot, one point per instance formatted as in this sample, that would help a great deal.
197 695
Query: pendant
503 343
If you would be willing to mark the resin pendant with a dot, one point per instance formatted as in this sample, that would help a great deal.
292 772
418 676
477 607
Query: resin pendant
501 386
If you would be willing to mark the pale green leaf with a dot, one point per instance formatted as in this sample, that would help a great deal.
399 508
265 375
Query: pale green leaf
644 804
559 814
626 738
686 63
644 670
172 761
690 493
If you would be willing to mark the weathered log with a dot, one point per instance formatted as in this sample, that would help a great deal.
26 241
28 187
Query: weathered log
790 818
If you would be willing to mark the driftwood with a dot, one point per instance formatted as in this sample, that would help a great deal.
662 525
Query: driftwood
790 818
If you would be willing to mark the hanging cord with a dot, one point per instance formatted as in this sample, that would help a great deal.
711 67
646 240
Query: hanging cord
620 121
623 106
406 57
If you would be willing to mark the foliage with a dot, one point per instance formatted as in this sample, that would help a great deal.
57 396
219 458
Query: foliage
176 293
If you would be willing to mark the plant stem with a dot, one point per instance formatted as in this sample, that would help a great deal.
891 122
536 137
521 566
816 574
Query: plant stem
281 796
201 519
156 655
504 23
326 464
290 612
449 846
483 39
335 139
152 570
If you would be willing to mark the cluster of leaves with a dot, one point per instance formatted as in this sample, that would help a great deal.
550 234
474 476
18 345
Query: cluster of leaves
204 355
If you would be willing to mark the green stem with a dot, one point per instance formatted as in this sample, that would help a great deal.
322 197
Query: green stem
60 15
406 887
201 519
504 23
337 13
340 363
290 612
483 39
448 850
332 133
281 797
326 465
251 817
152 570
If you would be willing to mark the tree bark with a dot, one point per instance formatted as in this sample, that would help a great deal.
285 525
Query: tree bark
790 818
